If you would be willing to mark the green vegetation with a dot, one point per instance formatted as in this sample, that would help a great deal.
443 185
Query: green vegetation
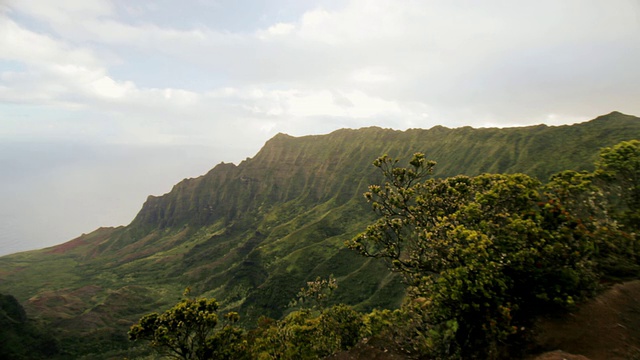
485 256
618 172
250 235
188 331
307 334
312 331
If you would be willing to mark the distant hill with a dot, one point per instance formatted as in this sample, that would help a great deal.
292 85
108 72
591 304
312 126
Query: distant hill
252 234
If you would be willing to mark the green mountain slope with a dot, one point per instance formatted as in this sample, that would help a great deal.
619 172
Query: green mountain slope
252 234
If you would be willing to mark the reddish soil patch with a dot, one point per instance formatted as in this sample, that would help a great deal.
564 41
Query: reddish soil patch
86 293
69 245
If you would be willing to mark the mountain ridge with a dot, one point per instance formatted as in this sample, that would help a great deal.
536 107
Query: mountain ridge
280 140
283 147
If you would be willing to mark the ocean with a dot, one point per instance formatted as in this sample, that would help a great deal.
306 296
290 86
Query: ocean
53 192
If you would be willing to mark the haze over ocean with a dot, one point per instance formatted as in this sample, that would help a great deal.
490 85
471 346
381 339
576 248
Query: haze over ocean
53 192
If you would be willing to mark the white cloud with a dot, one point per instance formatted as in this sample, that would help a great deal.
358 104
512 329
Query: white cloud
279 29
369 60
20 44
372 74
63 11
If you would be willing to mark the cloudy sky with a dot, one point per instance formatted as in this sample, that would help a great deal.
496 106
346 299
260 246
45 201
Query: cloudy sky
103 102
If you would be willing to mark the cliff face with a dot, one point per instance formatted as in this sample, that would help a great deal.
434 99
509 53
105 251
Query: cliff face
317 168
251 234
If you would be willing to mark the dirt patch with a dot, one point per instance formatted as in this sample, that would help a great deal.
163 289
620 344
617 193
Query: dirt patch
68 246
606 328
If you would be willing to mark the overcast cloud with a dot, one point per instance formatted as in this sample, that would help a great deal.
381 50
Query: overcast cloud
216 79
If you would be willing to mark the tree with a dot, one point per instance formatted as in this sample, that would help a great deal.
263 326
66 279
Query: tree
608 201
482 255
618 169
584 199
188 331
316 294
312 331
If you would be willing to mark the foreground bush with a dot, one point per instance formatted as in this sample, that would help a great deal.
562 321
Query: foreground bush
305 334
483 255
190 330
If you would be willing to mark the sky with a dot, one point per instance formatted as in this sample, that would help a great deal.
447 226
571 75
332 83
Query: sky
103 102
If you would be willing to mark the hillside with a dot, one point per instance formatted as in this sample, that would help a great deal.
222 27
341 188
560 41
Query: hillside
251 234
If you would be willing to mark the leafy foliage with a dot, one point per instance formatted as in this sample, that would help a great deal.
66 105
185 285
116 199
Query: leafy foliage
619 171
608 200
188 331
483 255
316 293
305 334
311 332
